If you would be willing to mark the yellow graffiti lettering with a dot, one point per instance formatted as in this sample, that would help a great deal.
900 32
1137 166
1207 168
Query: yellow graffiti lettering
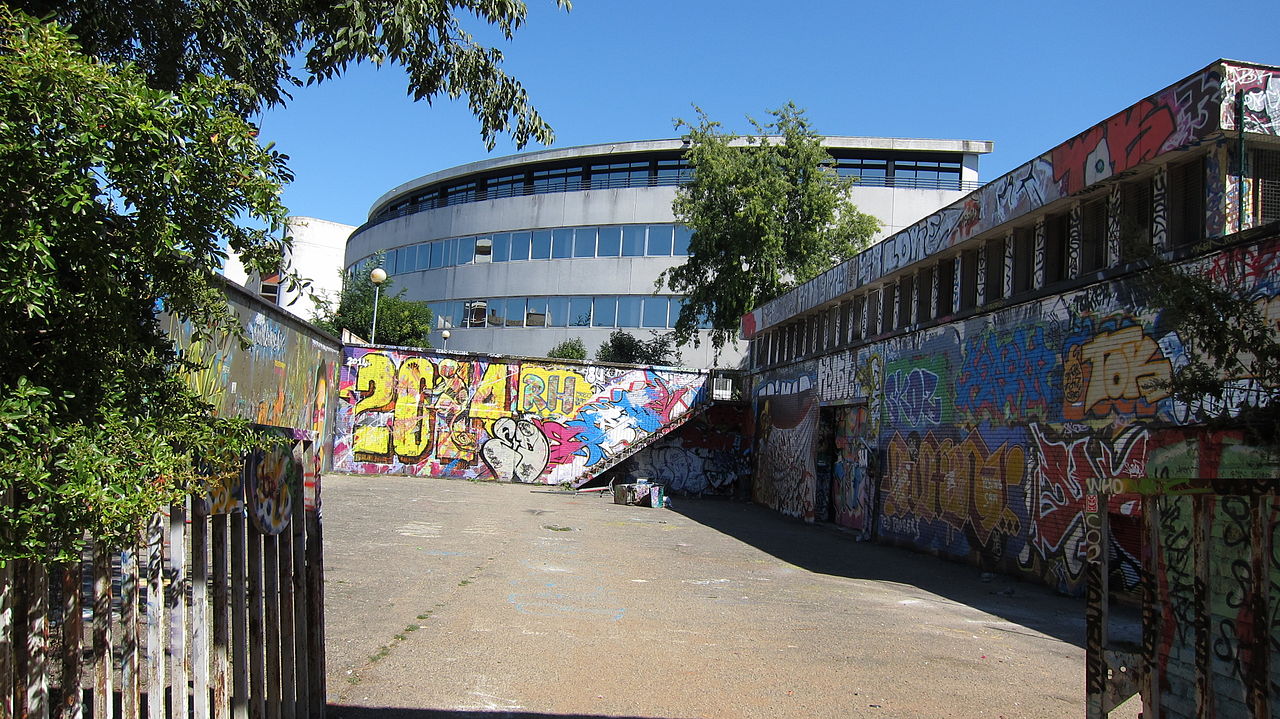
1125 365
376 386
550 391
490 400
414 419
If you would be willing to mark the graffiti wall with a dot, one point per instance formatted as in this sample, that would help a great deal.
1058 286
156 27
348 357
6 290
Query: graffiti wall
1183 114
500 418
984 437
285 380
708 456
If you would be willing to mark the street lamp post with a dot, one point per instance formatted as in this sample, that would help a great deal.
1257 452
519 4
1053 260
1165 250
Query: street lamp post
378 276
445 336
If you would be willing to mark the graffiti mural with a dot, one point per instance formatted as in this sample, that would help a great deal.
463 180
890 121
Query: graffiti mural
407 412
854 472
786 421
706 456
283 381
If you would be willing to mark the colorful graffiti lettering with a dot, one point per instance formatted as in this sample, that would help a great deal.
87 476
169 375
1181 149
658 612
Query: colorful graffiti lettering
1116 373
1007 374
419 413
912 396
964 485
1066 470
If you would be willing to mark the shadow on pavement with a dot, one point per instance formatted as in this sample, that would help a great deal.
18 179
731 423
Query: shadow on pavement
824 549
334 711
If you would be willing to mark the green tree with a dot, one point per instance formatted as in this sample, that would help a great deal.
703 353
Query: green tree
257 43
768 212
569 349
115 197
400 322
626 348
1229 373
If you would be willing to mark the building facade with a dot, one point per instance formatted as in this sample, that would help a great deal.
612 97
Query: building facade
316 256
517 254
985 385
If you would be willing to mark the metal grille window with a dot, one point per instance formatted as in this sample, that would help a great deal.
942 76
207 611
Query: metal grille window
1055 248
1093 235
941 175
924 298
968 279
946 285
993 286
1135 219
887 302
906 290
1186 202
1266 173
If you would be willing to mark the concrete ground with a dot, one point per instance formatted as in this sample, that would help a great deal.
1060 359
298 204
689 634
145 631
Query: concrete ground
462 599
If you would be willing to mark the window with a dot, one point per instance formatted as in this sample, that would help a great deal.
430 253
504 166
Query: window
1136 219
683 235
558 180
1093 235
561 244
579 311
994 289
466 250
906 291
475 312
659 240
458 194
924 295
497 313
968 279
584 242
946 287
671 172
673 315
515 311
437 255
1266 186
1185 203
501 248
633 240
1055 248
856 318
520 245
655 312
557 311
1024 253
536 312
868 171
610 243
389 261
450 253
505 186
619 174
540 247
604 311
628 311
927 174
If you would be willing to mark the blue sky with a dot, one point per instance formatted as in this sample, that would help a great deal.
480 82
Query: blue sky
1026 75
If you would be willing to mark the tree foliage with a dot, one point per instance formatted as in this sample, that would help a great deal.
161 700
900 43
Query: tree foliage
256 43
400 322
767 211
114 197
1229 371
626 348
569 349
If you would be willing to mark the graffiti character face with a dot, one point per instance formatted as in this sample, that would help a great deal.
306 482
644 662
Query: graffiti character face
517 451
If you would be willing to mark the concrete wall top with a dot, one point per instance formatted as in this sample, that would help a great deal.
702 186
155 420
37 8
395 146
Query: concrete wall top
667 145
1180 116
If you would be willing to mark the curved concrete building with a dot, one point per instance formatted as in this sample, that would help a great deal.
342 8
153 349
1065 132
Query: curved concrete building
517 254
